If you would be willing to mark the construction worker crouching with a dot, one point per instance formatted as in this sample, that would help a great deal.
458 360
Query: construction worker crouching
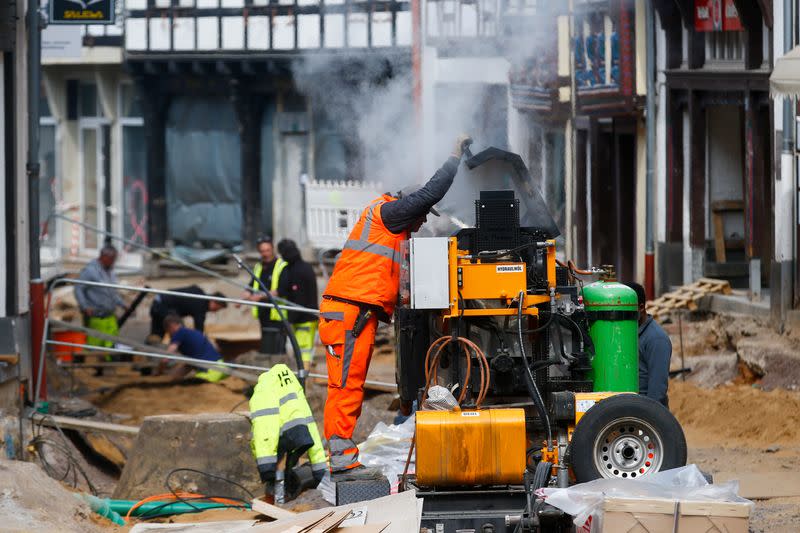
362 289
191 343
298 284
282 424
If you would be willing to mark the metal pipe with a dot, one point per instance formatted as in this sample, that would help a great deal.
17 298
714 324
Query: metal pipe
650 117
182 294
159 253
788 42
32 165
132 344
194 362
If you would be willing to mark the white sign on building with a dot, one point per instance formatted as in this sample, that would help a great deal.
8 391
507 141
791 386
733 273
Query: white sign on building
61 42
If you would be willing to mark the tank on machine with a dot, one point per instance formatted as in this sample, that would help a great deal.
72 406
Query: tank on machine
612 311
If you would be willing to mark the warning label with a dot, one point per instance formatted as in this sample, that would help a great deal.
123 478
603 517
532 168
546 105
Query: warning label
506 269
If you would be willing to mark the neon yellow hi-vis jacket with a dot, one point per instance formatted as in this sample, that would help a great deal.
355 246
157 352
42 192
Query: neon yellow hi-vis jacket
280 264
283 424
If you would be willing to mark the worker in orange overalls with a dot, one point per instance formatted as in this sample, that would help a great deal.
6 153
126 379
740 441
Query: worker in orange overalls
362 290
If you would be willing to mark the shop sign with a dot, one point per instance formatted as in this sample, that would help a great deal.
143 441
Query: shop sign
716 15
81 12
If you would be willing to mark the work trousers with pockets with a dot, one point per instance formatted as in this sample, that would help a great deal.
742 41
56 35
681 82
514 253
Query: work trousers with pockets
348 360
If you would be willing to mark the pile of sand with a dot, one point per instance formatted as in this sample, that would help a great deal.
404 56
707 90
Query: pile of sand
154 398
736 414
31 501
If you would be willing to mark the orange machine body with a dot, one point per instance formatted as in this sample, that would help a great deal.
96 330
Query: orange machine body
485 447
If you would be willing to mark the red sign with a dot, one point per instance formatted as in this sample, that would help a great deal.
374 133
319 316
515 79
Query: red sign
716 15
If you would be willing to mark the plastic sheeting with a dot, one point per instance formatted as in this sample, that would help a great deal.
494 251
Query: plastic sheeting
204 176
386 449
685 483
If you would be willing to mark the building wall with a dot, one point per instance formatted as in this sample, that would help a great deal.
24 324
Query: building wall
14 291
72 161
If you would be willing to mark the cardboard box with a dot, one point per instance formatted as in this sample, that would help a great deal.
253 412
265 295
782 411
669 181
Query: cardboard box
673 516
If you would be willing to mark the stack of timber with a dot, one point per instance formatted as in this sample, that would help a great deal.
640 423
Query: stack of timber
686 297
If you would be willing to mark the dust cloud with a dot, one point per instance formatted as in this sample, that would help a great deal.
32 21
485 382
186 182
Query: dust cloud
369 98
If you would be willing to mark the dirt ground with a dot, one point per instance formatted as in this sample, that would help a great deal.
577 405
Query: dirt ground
739 406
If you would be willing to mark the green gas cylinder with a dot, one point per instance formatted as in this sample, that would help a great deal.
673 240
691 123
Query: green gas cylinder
613 313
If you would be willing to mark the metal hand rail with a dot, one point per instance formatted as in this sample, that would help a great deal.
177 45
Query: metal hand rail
192 361
161 254
75 281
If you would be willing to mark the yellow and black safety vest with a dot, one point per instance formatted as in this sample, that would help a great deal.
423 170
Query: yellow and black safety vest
282 423
280 264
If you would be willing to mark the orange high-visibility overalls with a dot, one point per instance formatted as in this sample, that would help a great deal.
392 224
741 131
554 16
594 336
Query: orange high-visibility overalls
364 283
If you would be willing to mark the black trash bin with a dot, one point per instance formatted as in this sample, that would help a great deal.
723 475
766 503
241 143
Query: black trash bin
273 339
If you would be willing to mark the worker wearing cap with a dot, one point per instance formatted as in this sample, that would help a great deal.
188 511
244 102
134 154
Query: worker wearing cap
363 288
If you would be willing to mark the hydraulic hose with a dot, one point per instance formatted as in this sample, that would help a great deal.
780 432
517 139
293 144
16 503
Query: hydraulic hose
298 357
530 382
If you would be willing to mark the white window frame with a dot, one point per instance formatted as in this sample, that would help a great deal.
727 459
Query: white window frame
119 134
52 253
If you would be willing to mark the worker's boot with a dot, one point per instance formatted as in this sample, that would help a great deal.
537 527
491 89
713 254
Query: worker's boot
344 463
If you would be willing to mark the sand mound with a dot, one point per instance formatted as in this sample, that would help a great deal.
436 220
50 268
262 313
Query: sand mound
31 501
736 414
147 399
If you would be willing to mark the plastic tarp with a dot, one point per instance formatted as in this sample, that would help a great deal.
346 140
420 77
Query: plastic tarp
386 449
585 500
203 172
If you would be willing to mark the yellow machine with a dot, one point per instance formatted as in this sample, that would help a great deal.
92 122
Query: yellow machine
544 381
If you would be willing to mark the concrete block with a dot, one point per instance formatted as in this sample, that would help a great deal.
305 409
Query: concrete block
776 362
710 371
216 443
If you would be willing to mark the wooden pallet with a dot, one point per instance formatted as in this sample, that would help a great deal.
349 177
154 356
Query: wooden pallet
686 297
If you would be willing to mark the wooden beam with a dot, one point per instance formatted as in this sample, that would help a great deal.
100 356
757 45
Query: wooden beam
766 11
67 422
750 15
672 25
674 168
696 40
697 171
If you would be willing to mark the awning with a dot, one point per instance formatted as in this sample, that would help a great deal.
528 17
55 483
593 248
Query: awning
785 78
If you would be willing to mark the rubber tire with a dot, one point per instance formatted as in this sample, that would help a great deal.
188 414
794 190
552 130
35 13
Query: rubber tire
624 405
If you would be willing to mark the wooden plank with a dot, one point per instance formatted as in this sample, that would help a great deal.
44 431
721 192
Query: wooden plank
720 206
10 358
83 424
272 511
719 237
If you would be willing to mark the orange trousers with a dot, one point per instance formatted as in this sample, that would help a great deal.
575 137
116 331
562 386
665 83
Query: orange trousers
348 360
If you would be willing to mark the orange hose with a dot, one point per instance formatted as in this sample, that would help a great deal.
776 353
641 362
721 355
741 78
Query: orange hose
178 496
576 270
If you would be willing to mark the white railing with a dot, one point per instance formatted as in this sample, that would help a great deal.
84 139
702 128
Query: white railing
333 207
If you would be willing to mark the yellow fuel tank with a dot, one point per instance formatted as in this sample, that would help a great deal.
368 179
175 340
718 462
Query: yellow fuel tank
485 447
